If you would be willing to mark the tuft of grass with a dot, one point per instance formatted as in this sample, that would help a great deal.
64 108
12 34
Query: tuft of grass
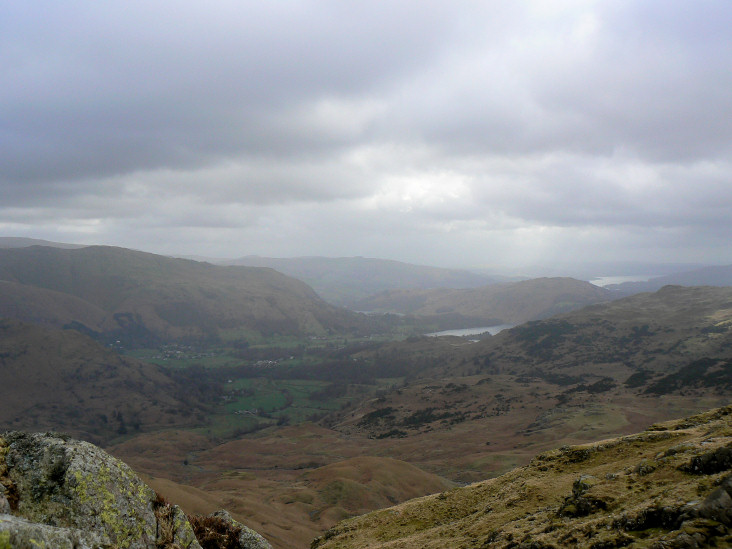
214 532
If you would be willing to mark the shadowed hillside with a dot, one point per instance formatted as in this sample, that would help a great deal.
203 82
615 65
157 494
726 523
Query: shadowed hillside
65 381
53 309
150 297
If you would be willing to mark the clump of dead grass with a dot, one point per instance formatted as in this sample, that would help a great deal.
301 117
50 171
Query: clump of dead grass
215 532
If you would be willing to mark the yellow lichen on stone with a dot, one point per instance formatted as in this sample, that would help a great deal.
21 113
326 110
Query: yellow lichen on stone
5 540
82 487
122 527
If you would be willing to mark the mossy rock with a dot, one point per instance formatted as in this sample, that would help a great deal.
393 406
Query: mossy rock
74 486
16 533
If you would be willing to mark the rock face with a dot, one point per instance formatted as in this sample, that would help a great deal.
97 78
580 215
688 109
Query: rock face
57 492
21 533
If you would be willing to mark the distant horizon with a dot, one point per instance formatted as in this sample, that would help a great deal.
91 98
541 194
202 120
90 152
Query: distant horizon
619 269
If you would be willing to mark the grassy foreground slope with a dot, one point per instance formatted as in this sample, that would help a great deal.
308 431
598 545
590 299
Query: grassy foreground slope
658 488
289 505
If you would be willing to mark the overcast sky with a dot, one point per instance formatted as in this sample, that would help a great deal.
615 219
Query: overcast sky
473 134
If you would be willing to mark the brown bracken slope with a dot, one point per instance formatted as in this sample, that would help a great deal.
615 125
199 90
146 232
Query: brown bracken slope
668 486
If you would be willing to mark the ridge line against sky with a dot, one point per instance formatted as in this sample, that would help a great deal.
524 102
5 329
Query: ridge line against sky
460 134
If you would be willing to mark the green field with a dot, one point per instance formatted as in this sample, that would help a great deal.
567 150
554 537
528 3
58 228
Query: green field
276 381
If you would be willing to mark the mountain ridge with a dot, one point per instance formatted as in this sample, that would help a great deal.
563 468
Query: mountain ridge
505 303
23 242
712 275
149 296
345 280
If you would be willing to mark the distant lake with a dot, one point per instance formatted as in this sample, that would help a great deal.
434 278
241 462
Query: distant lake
607 280
493 330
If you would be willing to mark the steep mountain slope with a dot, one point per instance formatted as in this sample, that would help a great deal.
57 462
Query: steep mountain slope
345 280
50 308
669 486
151 297
510 303
65 381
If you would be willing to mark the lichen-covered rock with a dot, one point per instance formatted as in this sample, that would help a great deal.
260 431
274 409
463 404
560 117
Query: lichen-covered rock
711 462
219 529
718 505
18 533
75 486
583 484
4 503
174 530
579 504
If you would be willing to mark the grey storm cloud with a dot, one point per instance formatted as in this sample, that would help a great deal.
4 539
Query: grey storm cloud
92 90
423 129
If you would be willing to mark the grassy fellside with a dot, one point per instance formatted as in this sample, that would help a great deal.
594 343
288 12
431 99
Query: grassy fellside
631 489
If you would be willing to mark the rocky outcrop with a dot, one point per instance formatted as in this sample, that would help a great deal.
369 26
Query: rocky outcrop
21 533
219 529
59 492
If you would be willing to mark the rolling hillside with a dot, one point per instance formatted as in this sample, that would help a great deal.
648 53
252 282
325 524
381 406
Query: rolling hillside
652 333
472 409
346 280
51 308
463 411
717 275
290 500
508 303
149 297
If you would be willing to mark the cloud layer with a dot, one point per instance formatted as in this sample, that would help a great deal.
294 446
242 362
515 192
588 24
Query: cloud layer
470 134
